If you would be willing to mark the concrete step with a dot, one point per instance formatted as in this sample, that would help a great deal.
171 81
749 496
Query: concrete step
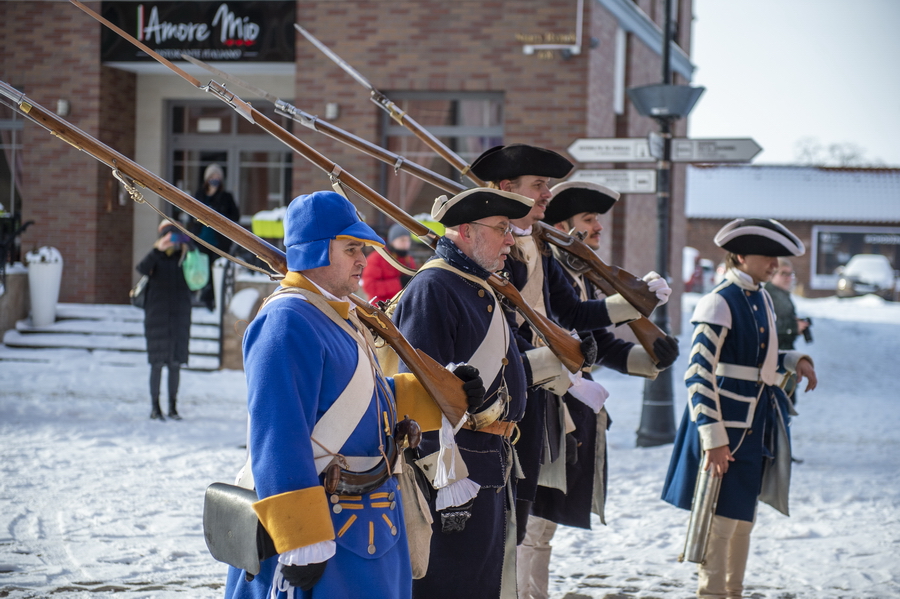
110 333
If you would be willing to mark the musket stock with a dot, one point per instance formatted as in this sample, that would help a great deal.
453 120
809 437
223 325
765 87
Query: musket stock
444 387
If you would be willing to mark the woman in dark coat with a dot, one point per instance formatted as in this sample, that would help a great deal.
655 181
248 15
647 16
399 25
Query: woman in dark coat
167 318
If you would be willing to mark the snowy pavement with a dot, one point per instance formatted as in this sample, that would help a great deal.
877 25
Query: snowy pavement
96 500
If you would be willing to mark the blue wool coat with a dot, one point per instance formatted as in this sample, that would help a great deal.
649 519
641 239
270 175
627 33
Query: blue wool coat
733 326
571 313
297 362
573 508
447 317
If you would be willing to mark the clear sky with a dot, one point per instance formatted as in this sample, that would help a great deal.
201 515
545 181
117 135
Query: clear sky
780 71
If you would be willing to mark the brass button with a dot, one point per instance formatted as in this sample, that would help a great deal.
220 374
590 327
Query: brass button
748 293
762 329
334 499
490 308
371 549
504 361
481 293
337 509
763 345
749 431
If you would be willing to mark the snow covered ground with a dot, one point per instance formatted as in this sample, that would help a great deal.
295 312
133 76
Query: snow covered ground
97 500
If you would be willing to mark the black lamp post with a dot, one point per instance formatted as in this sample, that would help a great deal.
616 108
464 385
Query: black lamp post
664 103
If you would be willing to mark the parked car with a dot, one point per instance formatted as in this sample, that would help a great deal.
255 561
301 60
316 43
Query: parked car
868 273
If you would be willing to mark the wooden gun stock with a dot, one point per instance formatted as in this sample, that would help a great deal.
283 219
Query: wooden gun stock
443 386
566 347
634 290
644 330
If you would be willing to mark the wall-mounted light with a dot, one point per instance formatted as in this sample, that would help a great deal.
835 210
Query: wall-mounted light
62 108
332 110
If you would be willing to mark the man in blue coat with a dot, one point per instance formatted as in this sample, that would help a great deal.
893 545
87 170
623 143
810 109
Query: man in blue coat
318 403
450 312
736 420
575 208
527 170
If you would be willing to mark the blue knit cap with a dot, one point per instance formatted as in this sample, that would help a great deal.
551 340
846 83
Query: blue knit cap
313 220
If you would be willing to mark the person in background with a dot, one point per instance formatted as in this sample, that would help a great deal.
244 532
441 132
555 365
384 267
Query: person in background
737 418
212 193
167 314
787 325
380 280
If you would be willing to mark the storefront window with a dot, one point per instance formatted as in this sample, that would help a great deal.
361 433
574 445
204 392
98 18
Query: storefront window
257 166
468 123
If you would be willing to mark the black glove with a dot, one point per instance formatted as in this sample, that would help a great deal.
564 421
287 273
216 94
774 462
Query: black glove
453 519
303 577
588 349
472 385
571 449
666 351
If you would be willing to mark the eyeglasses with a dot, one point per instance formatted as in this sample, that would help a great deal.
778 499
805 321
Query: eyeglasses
787 273
502 230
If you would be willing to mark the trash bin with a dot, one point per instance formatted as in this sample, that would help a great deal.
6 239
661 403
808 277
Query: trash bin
45 267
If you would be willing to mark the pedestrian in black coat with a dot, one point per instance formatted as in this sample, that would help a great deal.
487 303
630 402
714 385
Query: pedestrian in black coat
167 314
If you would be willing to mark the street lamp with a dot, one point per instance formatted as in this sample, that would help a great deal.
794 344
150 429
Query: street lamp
664 103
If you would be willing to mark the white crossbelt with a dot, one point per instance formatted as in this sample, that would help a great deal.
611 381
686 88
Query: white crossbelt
736 371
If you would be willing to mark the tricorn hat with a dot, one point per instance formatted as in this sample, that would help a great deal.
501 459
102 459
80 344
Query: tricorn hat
516 160
760 236
574 197
313 220
479 202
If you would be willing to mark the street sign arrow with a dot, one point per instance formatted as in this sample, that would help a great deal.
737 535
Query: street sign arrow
714 150
610 150
683 150
621 180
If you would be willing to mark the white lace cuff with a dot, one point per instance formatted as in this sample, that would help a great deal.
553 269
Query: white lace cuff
311 554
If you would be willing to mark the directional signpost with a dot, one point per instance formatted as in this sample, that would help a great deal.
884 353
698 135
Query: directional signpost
621 180
683 150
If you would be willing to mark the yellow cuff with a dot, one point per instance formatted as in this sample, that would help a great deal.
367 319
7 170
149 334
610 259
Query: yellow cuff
414 401
296 518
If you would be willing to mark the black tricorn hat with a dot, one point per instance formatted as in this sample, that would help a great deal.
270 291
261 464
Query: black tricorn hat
759 236
479 202
574 197
516 160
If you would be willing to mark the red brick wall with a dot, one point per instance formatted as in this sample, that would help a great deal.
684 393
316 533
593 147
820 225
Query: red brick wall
51 51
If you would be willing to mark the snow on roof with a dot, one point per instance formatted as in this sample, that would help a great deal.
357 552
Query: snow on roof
793 193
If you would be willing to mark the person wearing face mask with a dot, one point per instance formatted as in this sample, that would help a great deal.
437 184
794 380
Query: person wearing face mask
212 193
380 280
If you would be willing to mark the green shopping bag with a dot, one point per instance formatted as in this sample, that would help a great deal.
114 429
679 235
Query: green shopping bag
196 269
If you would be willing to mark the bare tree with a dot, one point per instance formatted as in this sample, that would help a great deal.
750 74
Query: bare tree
809 151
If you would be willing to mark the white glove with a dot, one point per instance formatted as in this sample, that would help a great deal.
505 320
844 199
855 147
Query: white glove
658 285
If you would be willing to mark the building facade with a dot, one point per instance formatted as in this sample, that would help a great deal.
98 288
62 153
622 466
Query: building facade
836 212
476 74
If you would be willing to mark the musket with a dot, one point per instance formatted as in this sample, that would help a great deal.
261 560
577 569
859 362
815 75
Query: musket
566 348
633 289
313 122
395 111
645 331
443 386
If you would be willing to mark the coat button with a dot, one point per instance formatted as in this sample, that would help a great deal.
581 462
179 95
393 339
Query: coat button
394 530
391 496
337 509
371 549
748 293
490 308
481 293
749 431
762 345
755 308
393 504
762 329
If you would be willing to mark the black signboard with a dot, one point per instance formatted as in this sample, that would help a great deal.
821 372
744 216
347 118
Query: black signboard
210 31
